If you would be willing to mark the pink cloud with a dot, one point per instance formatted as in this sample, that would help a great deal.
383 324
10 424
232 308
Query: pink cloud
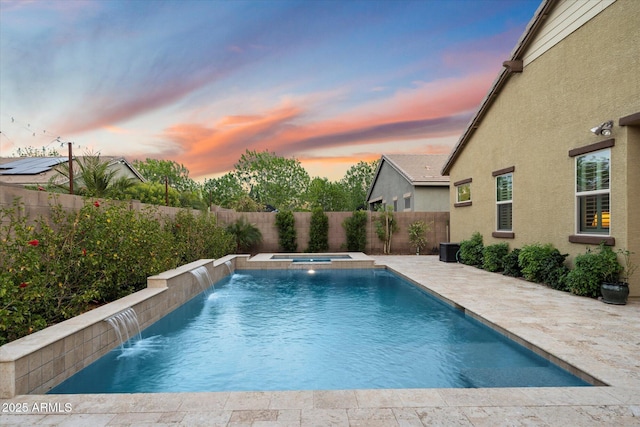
429 110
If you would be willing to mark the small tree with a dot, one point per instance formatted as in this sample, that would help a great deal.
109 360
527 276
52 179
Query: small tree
386 225
287 236
355 227
417 235
92 177
319 231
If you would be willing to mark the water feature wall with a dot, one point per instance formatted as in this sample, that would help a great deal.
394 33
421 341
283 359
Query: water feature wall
37 362
125 324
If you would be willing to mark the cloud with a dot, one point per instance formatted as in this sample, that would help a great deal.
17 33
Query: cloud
425 111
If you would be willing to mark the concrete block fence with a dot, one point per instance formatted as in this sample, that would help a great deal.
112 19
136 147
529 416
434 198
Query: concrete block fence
37 203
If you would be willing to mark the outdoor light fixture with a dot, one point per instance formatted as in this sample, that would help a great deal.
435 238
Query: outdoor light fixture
603 129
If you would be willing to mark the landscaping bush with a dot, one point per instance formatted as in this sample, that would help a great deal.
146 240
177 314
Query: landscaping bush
556 277
417 235
119 248
355 227
287 236
471 250
493 257
511 265
246 234
54 268
554 272
591 269
537 261
199 237
319 231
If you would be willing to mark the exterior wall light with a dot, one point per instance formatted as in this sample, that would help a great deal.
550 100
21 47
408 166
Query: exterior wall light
603 129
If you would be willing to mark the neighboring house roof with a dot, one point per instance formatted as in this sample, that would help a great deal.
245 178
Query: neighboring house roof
30 165
38 170
421 170
513 65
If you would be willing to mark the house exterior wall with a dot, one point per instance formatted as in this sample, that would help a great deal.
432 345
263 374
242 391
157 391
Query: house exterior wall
431 199
390 184
588 78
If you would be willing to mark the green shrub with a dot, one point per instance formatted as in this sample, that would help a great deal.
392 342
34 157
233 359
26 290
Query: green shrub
553 271
246 234
557 277
493 257
355 227
199 237
53 268
417 237
511 265
319 231
120 248
287 236
591 269
471 250
537 260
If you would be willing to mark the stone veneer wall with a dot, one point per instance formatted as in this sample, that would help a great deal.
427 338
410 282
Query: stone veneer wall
36 363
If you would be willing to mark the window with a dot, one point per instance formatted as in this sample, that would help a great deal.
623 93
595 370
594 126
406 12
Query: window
592 192
463 192
407 201
395 204
504 201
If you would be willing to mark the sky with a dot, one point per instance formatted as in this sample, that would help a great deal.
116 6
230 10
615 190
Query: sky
199 82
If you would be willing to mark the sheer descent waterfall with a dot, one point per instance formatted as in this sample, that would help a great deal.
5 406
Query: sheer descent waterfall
204 279
125 324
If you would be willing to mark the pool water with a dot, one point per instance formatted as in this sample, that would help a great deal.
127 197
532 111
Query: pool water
310 258
335 329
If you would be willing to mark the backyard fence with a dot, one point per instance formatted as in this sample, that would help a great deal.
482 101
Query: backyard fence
38 203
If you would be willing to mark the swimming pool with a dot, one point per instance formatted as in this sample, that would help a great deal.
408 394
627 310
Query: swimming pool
335 329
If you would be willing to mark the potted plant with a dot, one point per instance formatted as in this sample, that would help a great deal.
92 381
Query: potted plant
615 288
417 238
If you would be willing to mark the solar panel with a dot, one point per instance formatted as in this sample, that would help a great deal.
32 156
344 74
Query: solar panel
31 165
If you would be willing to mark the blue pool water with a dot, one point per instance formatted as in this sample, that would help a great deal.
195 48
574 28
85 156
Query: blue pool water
310 258
335 329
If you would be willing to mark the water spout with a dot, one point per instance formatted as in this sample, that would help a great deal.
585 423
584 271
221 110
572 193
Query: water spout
229 266
204 280
126 325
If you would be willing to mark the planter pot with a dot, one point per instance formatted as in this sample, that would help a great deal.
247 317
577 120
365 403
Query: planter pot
615 293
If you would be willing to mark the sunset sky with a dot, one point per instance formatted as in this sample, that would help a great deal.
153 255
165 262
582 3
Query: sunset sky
199 82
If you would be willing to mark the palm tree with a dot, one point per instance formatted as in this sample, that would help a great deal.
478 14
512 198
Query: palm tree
93 178
247 235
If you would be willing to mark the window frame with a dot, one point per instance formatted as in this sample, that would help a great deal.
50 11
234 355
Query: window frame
503 202
407 202
580 195
457 185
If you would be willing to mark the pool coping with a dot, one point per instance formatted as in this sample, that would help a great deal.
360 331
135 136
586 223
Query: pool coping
573 329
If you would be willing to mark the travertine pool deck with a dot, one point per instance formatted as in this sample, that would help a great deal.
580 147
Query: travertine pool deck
599 339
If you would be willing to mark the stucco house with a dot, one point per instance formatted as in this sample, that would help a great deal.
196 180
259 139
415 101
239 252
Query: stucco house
553 153
410 183
25 171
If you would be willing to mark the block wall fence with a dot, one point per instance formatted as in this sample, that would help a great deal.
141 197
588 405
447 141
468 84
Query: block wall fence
37 203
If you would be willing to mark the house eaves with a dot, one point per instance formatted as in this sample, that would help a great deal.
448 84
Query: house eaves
133 170
513 65
414 169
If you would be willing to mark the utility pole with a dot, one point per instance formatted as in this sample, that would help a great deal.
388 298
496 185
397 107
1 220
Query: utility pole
166 191
70 168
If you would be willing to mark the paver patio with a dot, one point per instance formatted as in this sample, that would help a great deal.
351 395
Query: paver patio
599 339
